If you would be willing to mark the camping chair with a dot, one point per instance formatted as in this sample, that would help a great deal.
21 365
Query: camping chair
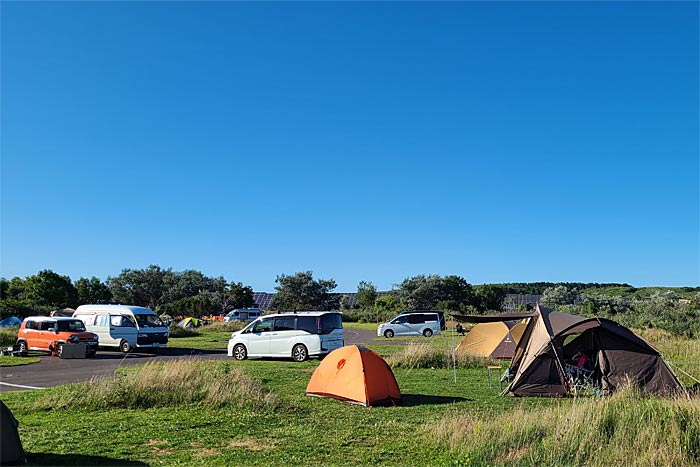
580 379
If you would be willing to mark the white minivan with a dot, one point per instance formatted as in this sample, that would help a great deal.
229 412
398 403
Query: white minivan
298 335
123 326
413 324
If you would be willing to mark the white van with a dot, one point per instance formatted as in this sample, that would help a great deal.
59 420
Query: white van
124 326
412 324
298 335
243 314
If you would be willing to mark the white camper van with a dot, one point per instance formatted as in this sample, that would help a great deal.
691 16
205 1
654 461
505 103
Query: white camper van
124 326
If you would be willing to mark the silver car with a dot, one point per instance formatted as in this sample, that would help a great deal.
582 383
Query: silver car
413 324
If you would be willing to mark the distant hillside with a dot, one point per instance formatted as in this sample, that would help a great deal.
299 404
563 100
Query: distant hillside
628 291
537 288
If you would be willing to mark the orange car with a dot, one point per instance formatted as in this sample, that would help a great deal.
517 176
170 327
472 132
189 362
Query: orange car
50 333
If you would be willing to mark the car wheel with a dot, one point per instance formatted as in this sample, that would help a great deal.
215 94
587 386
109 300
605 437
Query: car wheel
427 332
388 333
239 352
59 350
22 348
299 353
124 346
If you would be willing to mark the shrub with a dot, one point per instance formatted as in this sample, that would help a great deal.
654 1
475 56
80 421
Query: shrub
176 331
591 432
157 384
8 336
220 326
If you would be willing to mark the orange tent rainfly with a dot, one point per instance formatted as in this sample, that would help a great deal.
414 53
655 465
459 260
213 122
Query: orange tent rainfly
354 374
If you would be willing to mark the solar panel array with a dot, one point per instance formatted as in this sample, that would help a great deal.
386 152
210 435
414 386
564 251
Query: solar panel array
263 300
513 301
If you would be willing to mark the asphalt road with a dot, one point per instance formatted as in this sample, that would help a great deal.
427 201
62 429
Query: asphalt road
53 371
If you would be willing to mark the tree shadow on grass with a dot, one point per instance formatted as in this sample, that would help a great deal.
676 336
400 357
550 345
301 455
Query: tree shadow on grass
425 399
40 458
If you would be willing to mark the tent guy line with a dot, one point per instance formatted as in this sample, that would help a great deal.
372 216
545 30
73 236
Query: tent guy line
20 386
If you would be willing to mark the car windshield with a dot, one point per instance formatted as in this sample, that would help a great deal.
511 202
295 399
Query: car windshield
146 321
73 325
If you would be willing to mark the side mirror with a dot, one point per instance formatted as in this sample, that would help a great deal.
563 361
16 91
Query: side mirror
53 330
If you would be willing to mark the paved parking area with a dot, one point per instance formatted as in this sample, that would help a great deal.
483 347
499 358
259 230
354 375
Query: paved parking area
53 371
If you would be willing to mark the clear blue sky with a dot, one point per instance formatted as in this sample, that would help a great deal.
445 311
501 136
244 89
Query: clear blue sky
363 141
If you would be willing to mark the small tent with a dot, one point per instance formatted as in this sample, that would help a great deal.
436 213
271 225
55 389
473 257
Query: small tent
354 374
616 355
189 323
492 340
66 312
11 451
11 322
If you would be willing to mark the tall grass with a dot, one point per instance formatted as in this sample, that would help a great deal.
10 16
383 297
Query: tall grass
418 355
220 326
167 384
8 336
625 429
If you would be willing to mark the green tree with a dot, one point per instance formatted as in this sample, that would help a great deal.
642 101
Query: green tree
366 295
142 287
13 301
233 295
302 292
46 288
426 292
387 307
92 290
490 296
187 283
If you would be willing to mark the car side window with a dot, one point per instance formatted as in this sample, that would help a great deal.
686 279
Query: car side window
263 326
46 325
308 324
400 320
416 319
102 320
284 324
89 320
30 325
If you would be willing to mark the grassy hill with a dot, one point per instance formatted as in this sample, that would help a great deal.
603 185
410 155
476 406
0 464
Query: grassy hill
643 292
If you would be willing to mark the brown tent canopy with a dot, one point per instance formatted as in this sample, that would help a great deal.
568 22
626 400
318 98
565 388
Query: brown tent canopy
615 356
494 318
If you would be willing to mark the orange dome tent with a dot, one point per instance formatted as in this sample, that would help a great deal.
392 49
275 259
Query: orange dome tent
354 374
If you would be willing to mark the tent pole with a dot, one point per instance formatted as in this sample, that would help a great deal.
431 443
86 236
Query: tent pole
561 368
454 358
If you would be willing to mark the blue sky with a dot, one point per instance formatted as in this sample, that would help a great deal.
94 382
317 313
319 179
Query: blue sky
501 142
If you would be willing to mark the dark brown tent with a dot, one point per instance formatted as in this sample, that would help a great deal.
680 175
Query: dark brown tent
543 364
11 452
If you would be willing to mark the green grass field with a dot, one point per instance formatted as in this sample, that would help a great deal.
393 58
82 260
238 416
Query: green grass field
264 418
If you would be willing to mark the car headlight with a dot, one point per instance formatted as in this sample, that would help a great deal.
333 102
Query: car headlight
73 339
